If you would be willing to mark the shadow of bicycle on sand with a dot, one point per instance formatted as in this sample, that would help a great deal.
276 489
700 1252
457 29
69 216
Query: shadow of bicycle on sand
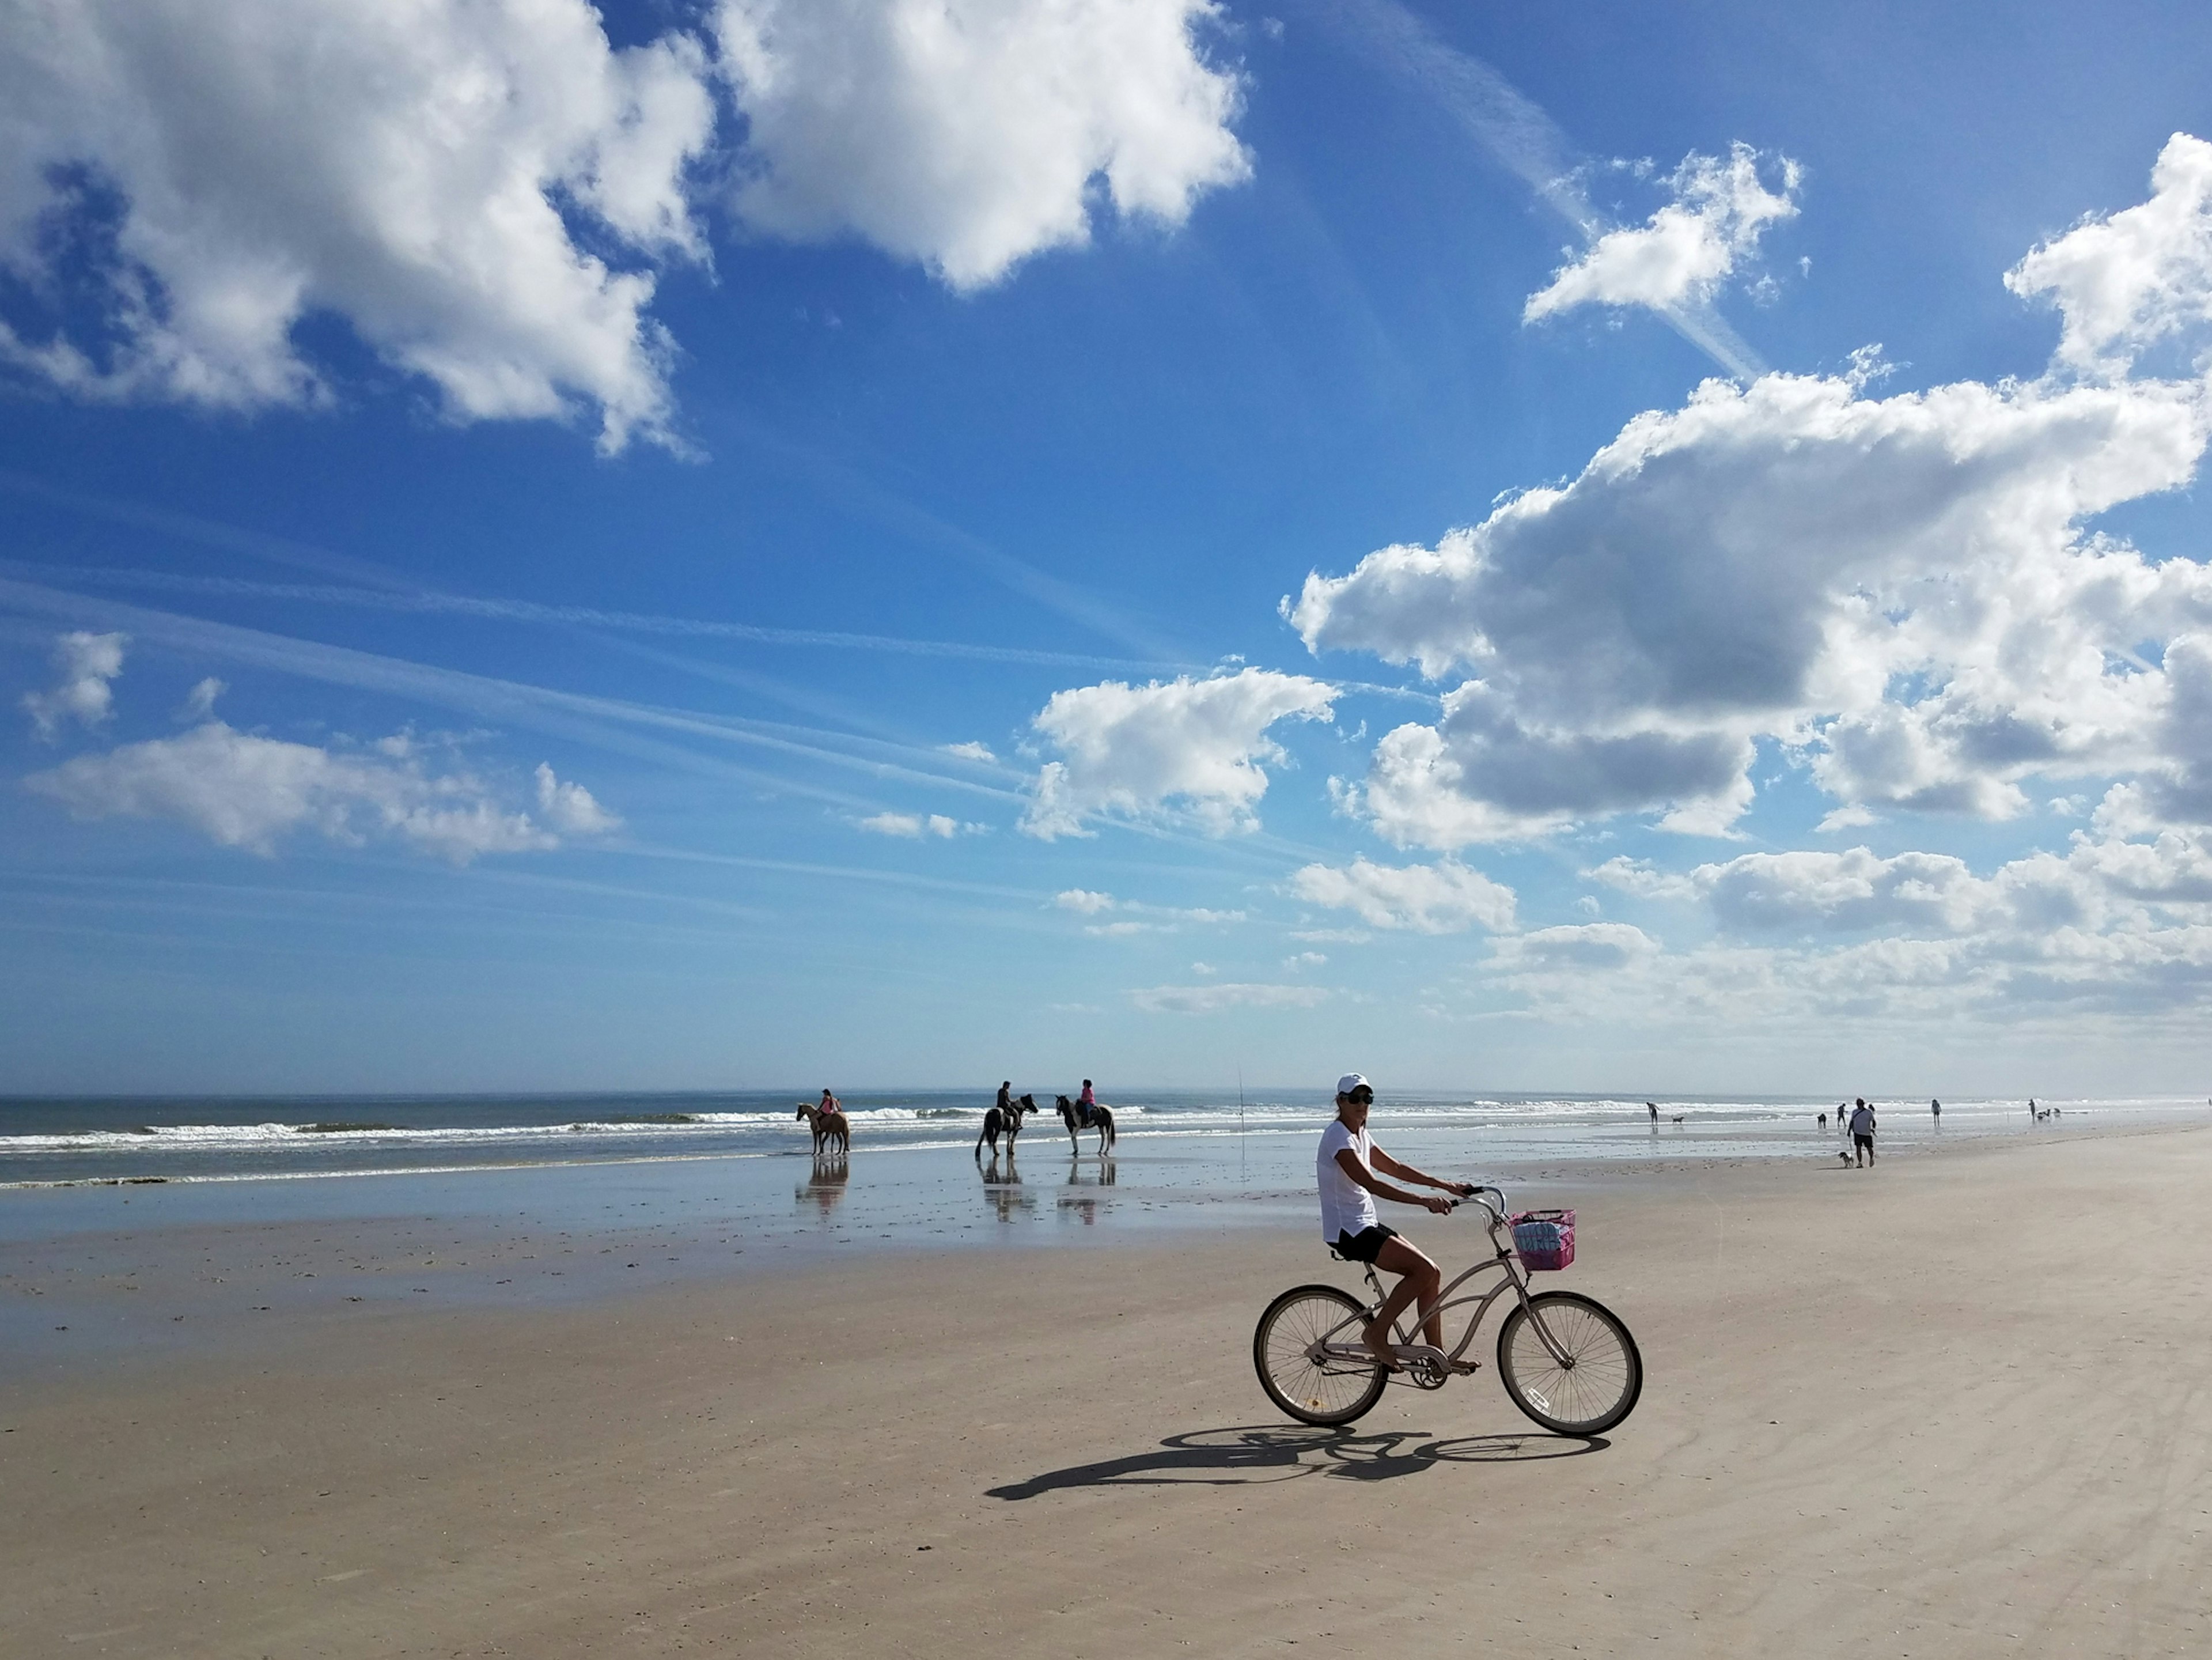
1248 1455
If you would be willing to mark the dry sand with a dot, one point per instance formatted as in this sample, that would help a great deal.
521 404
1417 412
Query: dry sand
1953 1406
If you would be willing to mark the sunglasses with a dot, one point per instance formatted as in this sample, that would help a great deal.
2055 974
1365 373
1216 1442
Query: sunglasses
1365 1097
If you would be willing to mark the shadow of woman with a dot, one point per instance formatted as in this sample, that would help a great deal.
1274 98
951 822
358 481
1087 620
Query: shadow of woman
1249 1455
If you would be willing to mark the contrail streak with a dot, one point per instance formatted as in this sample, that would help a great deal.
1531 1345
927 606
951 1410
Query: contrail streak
609 723
1520 138
430 601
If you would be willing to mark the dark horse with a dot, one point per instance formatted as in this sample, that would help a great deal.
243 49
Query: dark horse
1078 1117
1009 1120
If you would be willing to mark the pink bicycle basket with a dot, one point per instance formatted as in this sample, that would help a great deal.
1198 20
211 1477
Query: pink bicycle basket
1544 1240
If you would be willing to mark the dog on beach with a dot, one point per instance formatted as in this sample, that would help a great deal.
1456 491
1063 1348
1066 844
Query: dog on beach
1009 1123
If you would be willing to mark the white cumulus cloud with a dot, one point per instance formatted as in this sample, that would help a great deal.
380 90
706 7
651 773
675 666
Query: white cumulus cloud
2125 280
967 135
1901 590
481 189
569 808
241 790
1446 897
1187 749
910 826
487 192
1688 249
2112 927
87 665
2102 881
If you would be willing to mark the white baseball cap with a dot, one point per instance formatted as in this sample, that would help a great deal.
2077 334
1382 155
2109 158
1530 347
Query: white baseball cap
1350 1081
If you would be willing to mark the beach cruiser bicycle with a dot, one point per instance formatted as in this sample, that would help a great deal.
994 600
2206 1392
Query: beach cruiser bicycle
1566 1360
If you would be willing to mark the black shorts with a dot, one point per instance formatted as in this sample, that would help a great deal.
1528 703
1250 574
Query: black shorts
1866 1141
1365 1245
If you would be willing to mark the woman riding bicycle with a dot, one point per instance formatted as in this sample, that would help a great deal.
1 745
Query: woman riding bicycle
1346 1172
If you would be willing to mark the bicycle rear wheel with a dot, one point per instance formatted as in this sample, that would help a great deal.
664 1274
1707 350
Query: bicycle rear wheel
1325 1392
1604 1374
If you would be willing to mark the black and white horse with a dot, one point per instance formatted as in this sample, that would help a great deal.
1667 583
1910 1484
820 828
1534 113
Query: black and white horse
1079 1117
1009 1120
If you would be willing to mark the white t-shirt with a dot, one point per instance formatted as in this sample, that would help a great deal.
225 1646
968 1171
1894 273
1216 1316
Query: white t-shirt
1345 1207
1863 1121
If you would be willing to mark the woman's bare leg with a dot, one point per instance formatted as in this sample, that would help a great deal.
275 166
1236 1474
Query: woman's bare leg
1418 1279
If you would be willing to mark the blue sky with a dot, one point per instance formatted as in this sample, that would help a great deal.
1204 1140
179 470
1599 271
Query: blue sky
875 542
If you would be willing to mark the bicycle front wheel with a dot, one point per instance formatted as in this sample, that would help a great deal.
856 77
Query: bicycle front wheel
1311 1391
1602 1377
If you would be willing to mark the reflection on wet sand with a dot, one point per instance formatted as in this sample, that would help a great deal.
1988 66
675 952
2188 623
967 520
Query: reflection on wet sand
826 1187
1085 1204
1004 1191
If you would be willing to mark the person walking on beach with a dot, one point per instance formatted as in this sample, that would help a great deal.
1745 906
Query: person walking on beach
1345 1170
1862 1135
1935 1110
1652 1107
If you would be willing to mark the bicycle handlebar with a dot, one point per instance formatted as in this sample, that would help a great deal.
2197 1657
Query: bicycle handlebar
1497 1211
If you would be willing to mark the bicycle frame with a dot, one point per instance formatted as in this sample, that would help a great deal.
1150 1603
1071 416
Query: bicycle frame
1408 1326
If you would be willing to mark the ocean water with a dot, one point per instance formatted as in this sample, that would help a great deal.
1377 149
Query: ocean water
254 1213
44 1142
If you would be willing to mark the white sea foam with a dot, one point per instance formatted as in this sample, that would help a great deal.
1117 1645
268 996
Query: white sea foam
1529 1126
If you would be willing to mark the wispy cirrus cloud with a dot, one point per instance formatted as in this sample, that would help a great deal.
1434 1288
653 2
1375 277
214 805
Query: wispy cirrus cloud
1517 133
1214 997
1136 917
667 736
430 602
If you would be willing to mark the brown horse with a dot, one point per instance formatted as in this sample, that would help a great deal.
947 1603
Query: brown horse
828 1127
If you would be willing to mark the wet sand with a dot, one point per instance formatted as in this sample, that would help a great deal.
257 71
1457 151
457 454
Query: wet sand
1950 1406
